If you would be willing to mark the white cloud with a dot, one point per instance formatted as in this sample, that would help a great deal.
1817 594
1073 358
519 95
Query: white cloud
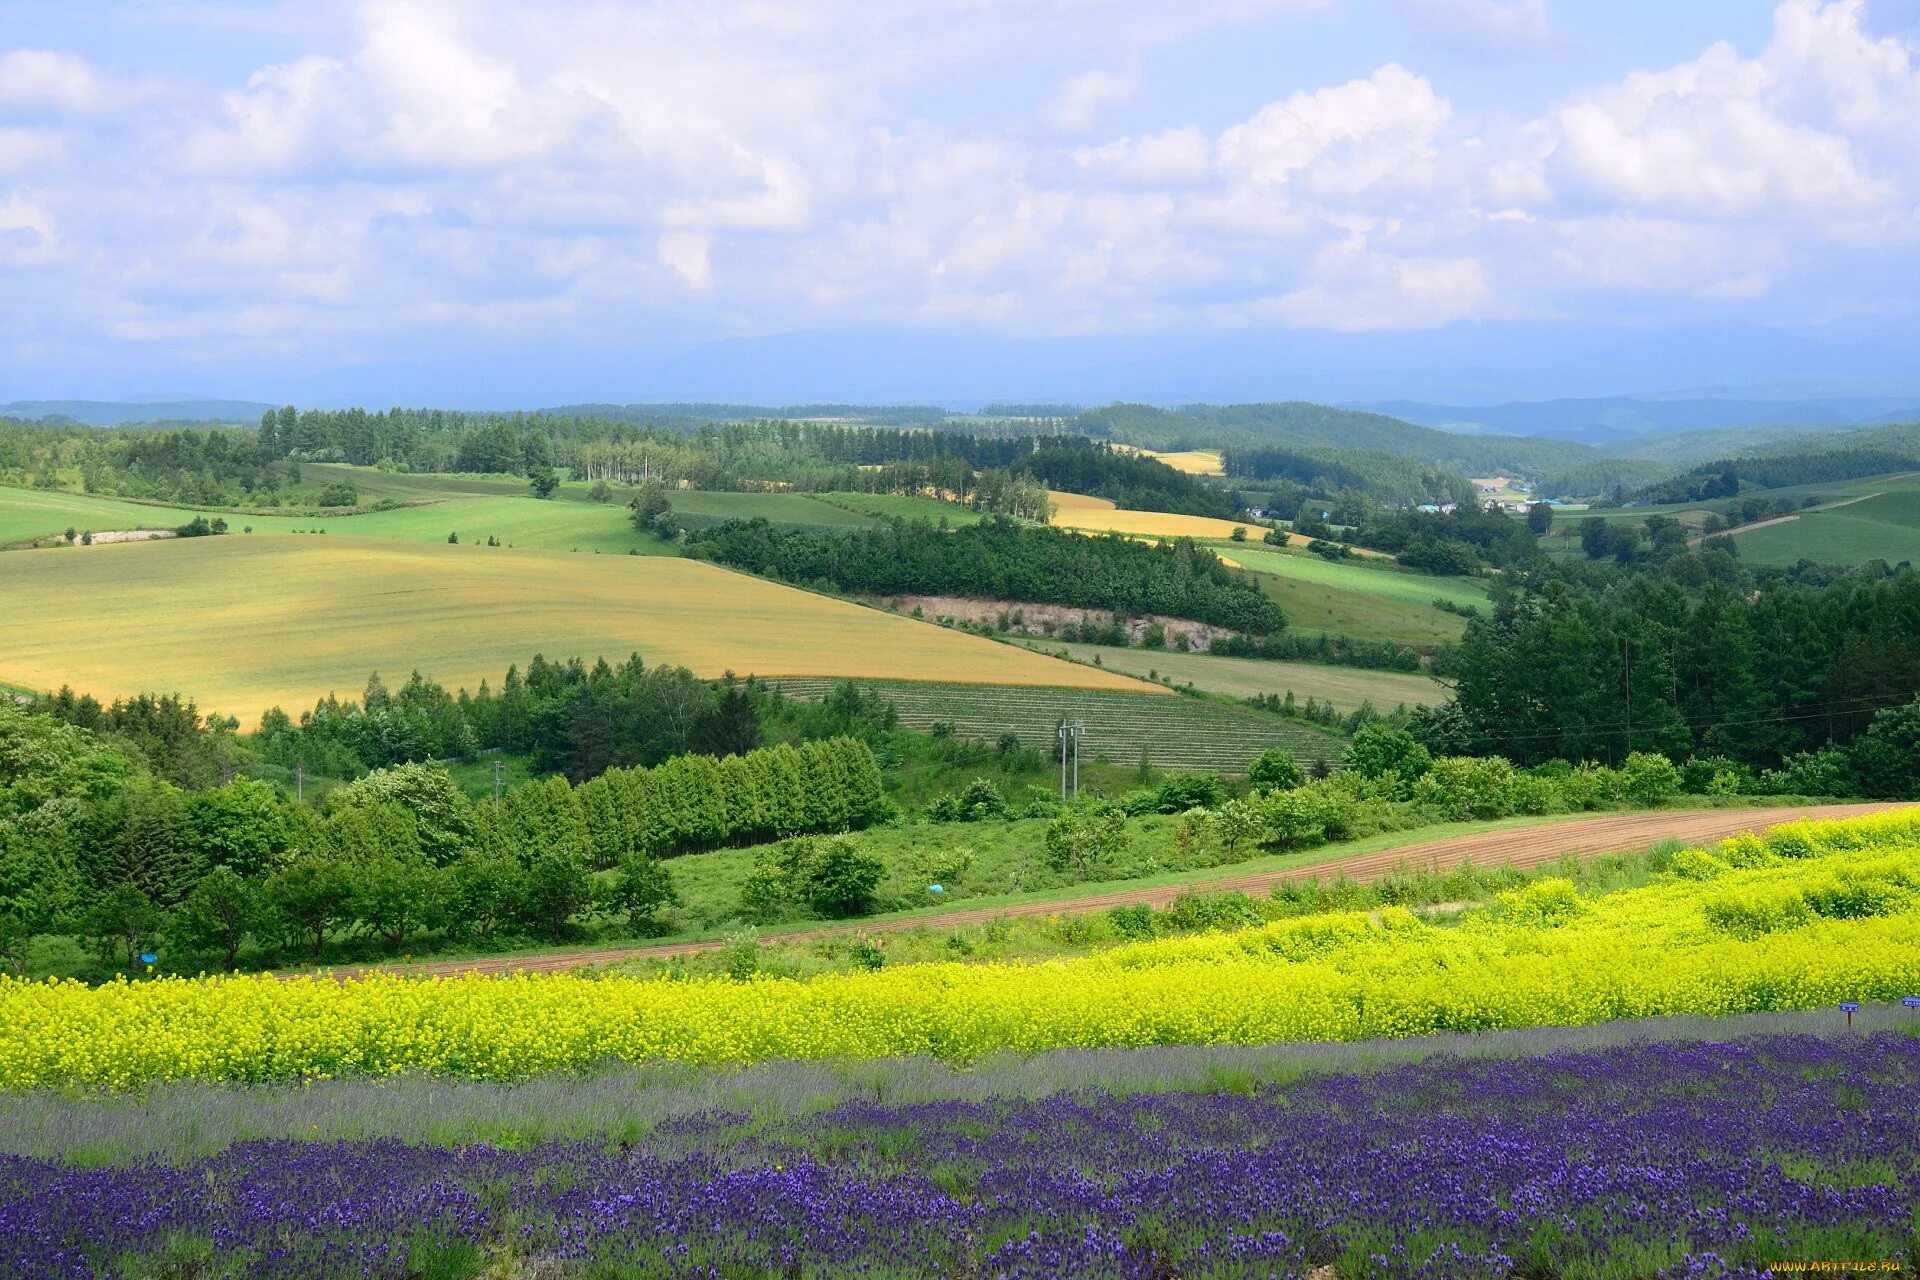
1171 158
1726 135
1082 100
1664 256
688 254
588 163
1343 140
41 78
1354 288
22 149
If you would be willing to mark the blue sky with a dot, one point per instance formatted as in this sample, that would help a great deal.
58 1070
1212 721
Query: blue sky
490 203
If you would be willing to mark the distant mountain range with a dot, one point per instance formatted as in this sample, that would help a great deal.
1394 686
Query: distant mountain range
1613 420
117 413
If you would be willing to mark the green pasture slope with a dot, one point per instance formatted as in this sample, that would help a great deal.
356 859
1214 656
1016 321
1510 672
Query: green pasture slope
1402 585
1174 732
1345 687
1349 599
1883 526
1854 521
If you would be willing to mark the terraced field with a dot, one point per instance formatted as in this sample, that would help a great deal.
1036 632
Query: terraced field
247 622
1175 732
1345 687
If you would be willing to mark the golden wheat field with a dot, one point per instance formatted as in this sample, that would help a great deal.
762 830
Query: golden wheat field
1098 515
1195 462
246 622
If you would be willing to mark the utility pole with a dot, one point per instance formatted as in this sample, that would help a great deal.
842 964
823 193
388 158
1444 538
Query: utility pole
1070 731
299 781
1626 667
496 781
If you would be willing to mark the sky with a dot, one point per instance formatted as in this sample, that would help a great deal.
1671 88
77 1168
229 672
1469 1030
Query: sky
483 204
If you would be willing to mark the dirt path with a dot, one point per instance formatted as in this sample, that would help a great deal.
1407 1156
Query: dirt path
1788 519
1523 847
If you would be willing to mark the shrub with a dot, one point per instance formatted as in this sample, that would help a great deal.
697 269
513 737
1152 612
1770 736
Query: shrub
1647 778
642 888
1192 912
1274 769
838 880
1082 840
1463 787
1184 791
1133 920
1379 749
1826 772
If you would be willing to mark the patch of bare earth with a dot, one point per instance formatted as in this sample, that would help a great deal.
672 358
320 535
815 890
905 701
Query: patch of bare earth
1048 620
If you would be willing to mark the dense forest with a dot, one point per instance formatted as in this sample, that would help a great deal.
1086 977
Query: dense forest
1000 560
1594 669
1730 477
1382 477
217 467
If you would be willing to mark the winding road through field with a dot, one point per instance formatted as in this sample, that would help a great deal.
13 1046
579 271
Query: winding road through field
1523 847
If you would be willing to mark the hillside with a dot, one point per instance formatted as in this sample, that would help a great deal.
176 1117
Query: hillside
245 622
114 413
1322 428
1621 422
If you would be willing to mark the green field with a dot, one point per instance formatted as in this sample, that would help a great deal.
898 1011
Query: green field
1345 687
44 513
1174 732
1874 518
1885 526
902 506
246 622
474 507
1400 585
1350 598
791 510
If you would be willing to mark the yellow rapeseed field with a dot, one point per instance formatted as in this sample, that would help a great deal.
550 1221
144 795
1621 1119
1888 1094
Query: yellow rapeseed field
245 622
1812 914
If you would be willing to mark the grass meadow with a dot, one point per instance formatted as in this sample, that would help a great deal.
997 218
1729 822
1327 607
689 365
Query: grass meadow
249 621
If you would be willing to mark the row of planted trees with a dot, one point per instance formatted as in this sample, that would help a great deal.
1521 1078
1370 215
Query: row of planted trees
93 846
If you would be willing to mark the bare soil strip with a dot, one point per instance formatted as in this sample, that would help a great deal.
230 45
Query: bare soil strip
1522 847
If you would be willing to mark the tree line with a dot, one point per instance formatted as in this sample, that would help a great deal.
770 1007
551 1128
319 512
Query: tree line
1760 674
94 844
1001 560
565 717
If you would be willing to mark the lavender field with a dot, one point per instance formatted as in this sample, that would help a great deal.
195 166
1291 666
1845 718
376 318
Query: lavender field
1641 1160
